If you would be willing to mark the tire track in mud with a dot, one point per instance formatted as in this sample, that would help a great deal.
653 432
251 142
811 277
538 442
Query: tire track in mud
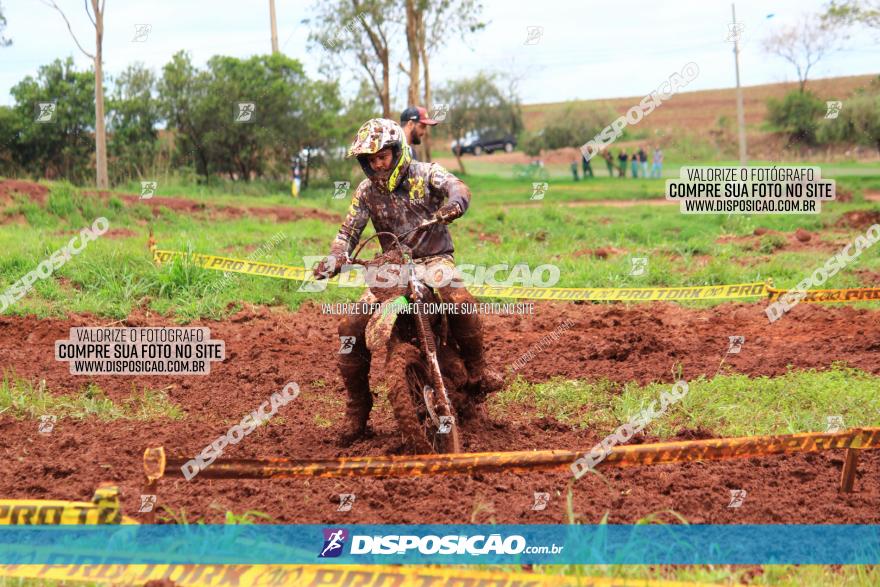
265 349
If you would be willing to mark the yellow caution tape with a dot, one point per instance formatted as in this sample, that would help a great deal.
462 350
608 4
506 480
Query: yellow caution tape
228 264
743 290
314 576
831 295
595 294
599 294
103 509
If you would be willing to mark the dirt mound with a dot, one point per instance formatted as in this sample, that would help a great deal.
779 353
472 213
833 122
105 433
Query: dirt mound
38 193
266 349
860 219
770 241
588 203
187 206
600 253
35 191
111 233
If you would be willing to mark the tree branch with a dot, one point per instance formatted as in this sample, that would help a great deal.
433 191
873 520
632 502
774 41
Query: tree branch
86 4
51 4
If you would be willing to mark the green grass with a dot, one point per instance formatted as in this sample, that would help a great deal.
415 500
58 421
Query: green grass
21 398
726 405
114 275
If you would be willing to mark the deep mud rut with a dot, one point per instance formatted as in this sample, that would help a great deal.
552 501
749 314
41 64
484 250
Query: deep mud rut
266 349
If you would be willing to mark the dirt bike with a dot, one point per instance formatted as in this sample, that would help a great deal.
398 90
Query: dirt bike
425 372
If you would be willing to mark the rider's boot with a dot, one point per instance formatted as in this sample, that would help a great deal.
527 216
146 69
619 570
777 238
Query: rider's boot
482 379
355 371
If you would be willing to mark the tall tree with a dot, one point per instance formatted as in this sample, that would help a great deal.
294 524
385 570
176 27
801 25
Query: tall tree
361 29
414 28
804 44
100 131
61 149
436 22
133 115
478 104
202 108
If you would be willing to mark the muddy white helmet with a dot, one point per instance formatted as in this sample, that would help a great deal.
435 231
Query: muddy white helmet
377 134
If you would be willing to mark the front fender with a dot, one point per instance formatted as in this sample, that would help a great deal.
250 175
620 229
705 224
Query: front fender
382 322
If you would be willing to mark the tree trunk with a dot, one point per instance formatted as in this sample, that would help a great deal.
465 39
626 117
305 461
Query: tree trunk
457 154
413 17
274 26
426 142
386 87
100 130
308 161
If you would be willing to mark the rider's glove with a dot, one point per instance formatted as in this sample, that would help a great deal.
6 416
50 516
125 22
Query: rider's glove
448 212
330 265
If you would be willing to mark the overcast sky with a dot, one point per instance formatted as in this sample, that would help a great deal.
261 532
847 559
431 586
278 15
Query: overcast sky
587 49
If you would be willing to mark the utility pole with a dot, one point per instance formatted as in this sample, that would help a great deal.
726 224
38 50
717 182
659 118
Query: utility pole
274 26
740 112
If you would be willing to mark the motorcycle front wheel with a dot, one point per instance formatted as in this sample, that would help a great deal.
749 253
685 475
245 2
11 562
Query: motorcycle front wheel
413 398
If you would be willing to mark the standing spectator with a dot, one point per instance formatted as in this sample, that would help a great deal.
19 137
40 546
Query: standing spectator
634 164
297 177
643 160
574 170
415 122
621 161
657 166
585 163
609 161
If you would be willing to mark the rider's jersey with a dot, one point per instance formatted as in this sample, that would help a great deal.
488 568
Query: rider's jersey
426 187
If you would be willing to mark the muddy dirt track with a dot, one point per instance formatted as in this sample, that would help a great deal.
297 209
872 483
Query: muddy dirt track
266 349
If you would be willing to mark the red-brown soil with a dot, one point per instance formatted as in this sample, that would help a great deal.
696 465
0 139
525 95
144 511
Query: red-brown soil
219 212
266 349
860 219
34 191
798 241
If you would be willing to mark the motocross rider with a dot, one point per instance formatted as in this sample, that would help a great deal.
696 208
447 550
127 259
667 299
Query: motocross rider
398 194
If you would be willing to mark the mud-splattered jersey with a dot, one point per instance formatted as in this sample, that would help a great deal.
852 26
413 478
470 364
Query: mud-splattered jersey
427 186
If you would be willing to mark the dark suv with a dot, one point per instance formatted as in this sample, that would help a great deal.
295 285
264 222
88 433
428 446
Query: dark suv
486 141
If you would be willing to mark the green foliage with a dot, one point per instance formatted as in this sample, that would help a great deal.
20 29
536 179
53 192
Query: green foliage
770 243
131 129
573 126
797 115
201 106
532 143
858 120
480 103
64 146
4 42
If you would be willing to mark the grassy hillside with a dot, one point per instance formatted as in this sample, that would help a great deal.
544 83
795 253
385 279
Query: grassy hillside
701 110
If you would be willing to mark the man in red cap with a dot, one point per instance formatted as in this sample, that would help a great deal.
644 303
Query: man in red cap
415 123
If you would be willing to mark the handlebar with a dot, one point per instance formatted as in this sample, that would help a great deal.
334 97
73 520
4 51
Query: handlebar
353 260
